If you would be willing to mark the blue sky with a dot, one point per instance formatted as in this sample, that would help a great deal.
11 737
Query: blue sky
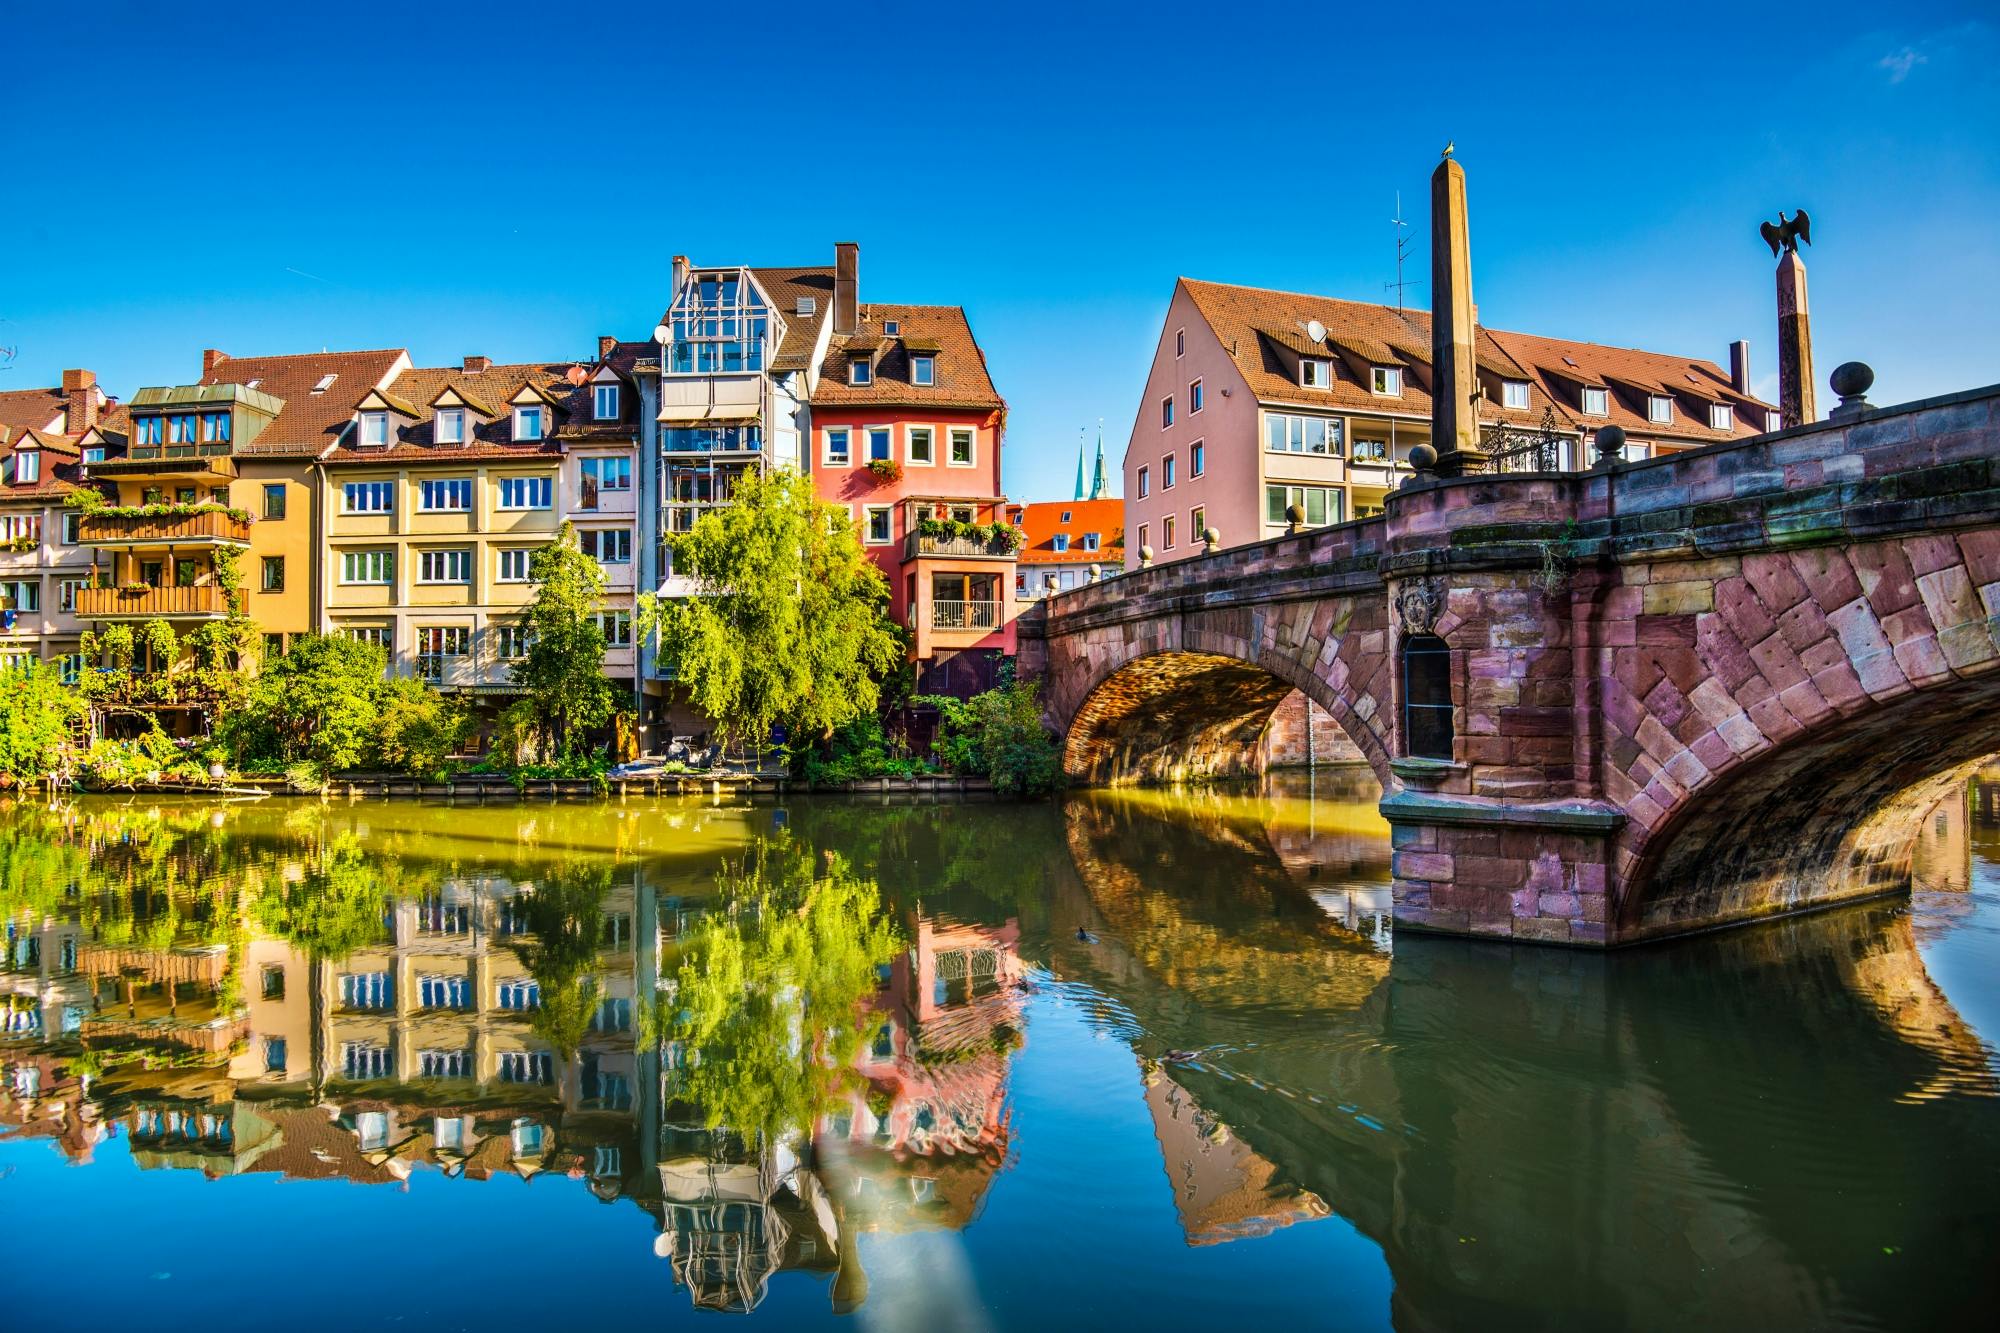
512 182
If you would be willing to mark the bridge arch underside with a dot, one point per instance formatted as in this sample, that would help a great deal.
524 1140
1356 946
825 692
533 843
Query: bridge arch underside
1181 716
1832 816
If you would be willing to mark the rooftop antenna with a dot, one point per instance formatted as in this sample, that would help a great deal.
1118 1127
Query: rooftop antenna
1403 243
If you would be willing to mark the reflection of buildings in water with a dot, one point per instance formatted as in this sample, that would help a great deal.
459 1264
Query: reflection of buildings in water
1223 1188
1943 860
734 1211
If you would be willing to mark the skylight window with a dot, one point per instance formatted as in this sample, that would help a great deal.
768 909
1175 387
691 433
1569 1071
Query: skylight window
325 383
892 328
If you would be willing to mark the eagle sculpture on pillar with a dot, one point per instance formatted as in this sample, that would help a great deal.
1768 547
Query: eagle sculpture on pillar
1787 234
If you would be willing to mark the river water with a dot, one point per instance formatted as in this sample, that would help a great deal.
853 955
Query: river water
1140 1059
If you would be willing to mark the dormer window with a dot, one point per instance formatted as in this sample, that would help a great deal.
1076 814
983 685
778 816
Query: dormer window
94 454
450 426
527 424
1514 394
892 328
1386 381
860 371
1659 409
1721 416
148 430
923 370
604 402
374 429
27 467
808 306
1597 402
1315 373
1090 540
324 383
1060 542
1772 421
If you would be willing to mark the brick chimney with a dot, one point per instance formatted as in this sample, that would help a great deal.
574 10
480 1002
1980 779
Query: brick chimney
606 345
475 365
79 391
209 357
846 286
1739 365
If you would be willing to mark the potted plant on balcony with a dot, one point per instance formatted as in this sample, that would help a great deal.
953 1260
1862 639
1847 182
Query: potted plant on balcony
886 471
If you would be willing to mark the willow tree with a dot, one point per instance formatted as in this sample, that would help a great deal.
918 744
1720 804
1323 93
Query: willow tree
788 625
563 673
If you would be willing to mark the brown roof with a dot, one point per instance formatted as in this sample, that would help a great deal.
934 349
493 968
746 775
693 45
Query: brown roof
410 436
577 407
959 369
1254 324
785 286
309 422
29 409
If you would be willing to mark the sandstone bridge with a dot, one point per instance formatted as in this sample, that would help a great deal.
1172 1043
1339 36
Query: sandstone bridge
1607 706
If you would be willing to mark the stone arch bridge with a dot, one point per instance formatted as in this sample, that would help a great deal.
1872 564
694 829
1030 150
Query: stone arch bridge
1685 692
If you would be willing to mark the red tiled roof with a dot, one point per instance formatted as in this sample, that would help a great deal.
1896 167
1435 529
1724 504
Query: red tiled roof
309 422
29 409
1044 519
943 331
1255 323
410 438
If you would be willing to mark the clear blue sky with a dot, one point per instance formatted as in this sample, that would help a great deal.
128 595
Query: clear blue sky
513 182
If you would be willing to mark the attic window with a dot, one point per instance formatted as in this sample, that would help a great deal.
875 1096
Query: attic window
1720 416
527 424
449 426
1315 374
860 371
1772 421
1597 402
254 384
923 370
1514 394
1065 515
374 429
325 383
892 328
94 454
808 305
1387 381
27 467
1659 409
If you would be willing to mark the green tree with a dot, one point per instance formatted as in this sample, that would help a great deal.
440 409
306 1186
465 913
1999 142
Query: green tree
768 997
340 904
417 729
789 623
563 672
319 702
1000 733
38 718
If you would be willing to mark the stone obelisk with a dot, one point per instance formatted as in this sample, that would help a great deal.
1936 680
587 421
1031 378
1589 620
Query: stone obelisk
1455 378
1795 368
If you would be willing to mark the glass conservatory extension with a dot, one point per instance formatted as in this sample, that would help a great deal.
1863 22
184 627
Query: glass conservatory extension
719 323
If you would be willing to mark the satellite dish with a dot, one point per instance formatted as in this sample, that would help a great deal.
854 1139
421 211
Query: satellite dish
1315 330
576 375
661 334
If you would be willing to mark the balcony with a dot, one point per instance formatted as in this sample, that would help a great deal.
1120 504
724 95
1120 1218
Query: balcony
209 527
975 616
205 601
148 460
917 545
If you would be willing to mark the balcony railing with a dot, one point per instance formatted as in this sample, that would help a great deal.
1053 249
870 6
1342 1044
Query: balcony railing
973 548
965 615
202 601
207 527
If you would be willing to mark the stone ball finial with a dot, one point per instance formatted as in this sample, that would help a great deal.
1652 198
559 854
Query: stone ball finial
1422 457
1610 445
1295 518
1852 379
1145 557
1211 538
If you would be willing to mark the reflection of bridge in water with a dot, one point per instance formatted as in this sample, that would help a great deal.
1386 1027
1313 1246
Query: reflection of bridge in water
1601 1139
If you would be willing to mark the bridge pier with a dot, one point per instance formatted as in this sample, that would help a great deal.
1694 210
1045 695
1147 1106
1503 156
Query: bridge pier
1604 707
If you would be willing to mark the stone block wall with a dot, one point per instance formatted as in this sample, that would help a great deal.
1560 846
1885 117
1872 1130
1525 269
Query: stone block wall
1301 734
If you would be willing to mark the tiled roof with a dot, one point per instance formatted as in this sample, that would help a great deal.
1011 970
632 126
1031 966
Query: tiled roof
60 472
1044 519
310 422
29 409
959 369
1255 324
785 286
577 406
410 438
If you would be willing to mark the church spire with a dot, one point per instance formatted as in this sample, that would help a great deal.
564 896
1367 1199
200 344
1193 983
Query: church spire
1100 485
1079 462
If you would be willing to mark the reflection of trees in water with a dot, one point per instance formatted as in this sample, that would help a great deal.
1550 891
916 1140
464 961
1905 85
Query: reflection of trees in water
564 919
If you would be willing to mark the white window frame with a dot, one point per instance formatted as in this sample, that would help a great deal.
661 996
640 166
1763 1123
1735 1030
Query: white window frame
1385 381
598 538
616 627
447 559
522 414
1315 373
27 466
388 494
375 560
1721 416
453 482
532 483
845 458
892 328
971 436
94 454
868 513
1059 542
1660 409
1773 421
1602 397
1511 390
454 415
1092 540
604 402
929 434
523 555
860 372
372 424
868 443
923 370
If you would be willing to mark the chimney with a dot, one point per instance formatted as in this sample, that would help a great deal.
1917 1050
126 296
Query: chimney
475 365
209 357
79 401
606 345
846 287
1739 365
680 271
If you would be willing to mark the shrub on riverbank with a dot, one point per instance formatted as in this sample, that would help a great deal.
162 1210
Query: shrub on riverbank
999 734
38 716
